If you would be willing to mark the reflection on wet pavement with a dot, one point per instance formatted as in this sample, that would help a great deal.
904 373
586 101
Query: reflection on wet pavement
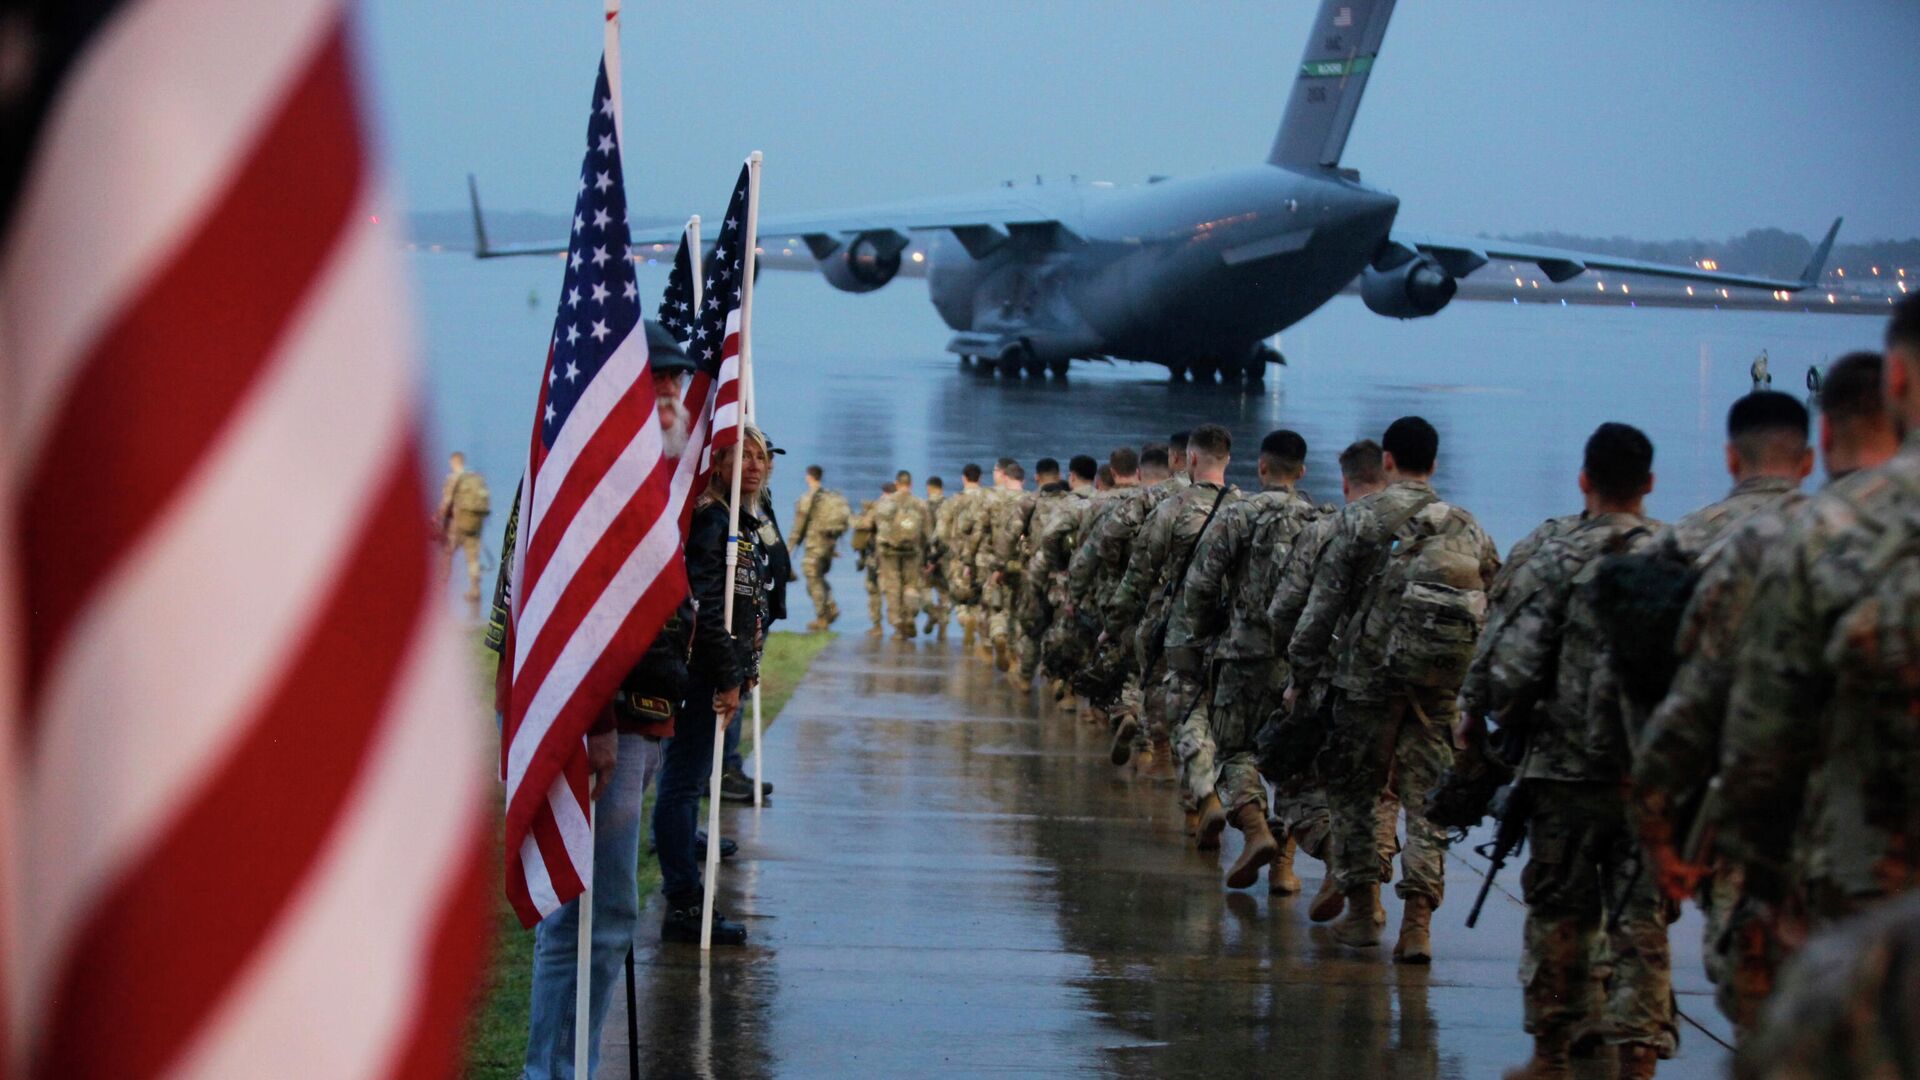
952 881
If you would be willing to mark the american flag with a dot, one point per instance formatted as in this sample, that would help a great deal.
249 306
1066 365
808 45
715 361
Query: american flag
676 305
243 788
713 394
598 567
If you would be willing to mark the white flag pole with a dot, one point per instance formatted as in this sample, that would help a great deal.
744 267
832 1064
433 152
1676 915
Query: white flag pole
694 267
746 384
583 965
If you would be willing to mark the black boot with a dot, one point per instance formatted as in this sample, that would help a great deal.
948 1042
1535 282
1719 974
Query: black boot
728 849
681 926
737 786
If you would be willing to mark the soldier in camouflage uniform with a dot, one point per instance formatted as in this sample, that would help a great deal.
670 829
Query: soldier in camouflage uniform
464 506
866 556
1094 575
1001 560
1024 606
1077 630
903 531
1393 717
961 546
818 520
937 604
1058 522
1680 747
1143 600
1300 805
1218 632
1818 774
1548 648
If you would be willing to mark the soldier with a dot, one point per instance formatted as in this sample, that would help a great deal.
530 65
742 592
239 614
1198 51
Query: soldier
866 555
1218 635
1817 796
956 528
934 571
1177 456
1679 748
1056 508
903 531
1002 561
464 506
1143 600
1079 628
1406 574
819 518
1065 644
1301 804
1103 479
1093 576
1550 649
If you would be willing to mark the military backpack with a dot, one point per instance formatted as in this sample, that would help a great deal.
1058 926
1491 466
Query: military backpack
470 494
829 514
1429 595
903 524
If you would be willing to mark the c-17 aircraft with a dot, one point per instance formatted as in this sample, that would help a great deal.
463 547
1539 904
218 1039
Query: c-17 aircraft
1193 274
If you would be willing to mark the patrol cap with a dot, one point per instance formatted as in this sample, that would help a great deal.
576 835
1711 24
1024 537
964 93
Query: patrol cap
663 350
760 437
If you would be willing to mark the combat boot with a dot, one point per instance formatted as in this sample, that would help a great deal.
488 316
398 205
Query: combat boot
1281 880
1261 848
1159 763
966 633
1002 656
1020 683
1329 902
1416 919
816 626
1549 1061
875 631
1192 822
1213 822
1359 928
1637 1061
1122 749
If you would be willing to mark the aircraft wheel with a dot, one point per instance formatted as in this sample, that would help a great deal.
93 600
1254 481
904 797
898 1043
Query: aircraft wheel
1203 372
1036 367
1010 364
1257 371
1230 373
1059 367
1178 372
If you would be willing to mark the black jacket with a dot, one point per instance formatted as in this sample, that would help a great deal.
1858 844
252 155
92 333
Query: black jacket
724 657
779 566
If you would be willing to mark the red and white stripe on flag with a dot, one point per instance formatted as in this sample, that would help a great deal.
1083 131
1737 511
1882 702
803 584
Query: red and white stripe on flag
599 565
248 821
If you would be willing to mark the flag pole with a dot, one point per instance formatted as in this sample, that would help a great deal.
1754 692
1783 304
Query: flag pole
694 269
583 958
749 401
733 563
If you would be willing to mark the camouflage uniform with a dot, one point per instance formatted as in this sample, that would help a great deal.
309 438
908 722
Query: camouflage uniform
937 603
1819 725
1222 609
1095 573
868 555
1141 600
1301 805
1056 540
966 528
464 506
1680 747
1001 563
1383 732
1846 1004
1036 601
902 533
820 544
1475 694
1548 648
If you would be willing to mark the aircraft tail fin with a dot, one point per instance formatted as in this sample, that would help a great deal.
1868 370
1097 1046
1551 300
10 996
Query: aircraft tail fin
1333 72
481 249
1818 264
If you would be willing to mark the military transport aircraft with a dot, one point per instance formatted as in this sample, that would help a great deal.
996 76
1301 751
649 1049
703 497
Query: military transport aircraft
1194 274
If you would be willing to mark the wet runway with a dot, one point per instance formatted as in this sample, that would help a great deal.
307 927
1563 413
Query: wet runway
952 881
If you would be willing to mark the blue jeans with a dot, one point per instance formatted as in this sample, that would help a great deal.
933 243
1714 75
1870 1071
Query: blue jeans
616 911
686 769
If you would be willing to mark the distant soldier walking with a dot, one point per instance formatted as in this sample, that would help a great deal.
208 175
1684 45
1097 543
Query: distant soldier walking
464 506
866 556
819 518
902 533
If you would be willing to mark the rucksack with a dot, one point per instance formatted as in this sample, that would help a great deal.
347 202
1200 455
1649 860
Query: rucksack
1638 600
1432 597
902 524
863 528
829 514
470 494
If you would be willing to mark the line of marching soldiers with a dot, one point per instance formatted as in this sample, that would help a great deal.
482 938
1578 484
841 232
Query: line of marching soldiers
1724 708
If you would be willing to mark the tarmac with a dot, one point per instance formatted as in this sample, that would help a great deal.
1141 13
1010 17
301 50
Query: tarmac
951 880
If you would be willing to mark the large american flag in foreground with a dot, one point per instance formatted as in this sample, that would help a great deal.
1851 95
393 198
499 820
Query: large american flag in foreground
243 771
597 568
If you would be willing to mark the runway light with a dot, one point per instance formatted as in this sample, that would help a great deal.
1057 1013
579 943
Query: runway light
1841 270
1876 271
919 256
1831 300
1518 284
1689 290
1624 289
1709 264
1723 294
1602 284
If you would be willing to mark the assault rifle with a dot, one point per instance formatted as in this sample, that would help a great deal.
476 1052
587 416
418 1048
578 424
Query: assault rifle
1511 807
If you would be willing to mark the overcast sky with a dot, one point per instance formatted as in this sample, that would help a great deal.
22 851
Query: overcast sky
1641 117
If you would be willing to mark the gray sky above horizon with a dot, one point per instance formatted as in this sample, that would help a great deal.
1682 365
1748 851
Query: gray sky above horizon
1638 118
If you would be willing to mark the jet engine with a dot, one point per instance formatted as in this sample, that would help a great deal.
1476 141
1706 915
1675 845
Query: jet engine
1413 290
867 262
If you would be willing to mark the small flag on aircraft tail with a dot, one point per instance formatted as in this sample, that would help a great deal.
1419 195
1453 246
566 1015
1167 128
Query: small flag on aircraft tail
598 566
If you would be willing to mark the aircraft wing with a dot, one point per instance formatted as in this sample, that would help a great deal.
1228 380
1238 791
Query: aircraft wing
981 222
1461 256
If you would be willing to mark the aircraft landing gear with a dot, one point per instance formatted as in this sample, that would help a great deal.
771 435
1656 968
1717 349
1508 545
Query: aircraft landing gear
1177 372
1036 367
1203 371
1059 367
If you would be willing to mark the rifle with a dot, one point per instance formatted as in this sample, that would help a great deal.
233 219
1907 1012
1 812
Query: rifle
1511 807
1700 832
